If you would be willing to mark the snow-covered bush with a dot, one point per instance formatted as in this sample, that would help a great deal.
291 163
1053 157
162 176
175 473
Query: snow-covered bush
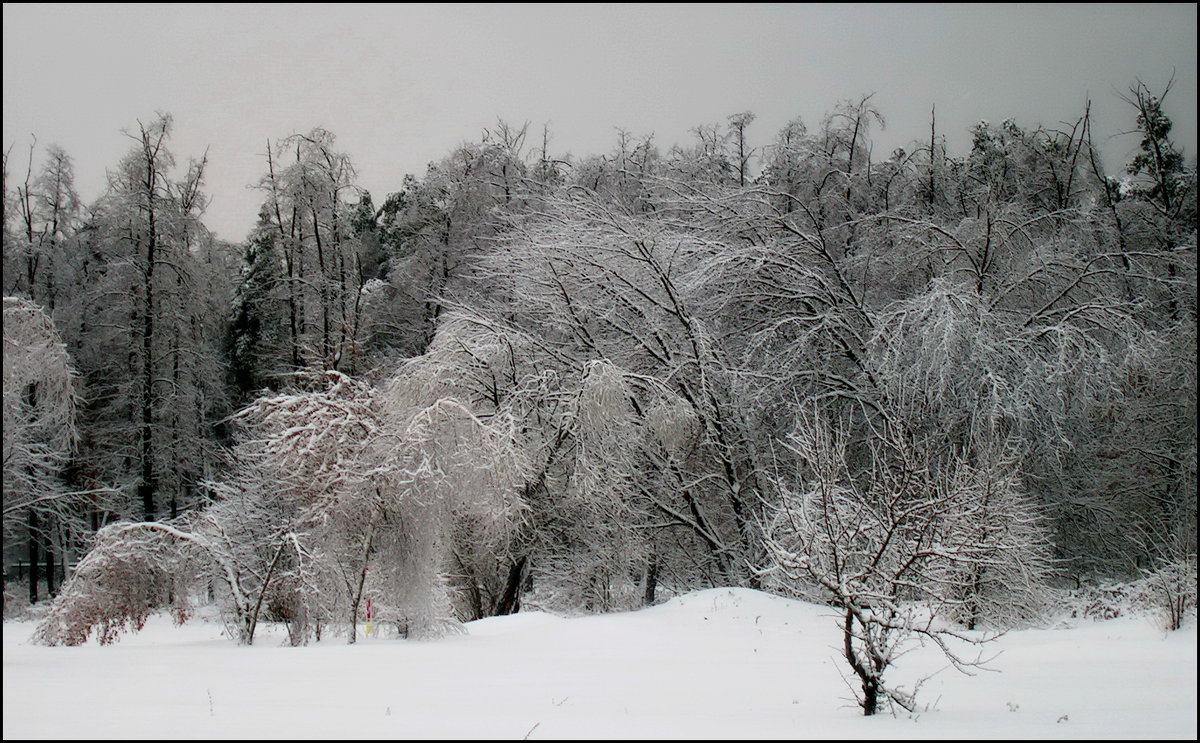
1172 590
131 571
16 600
1166 594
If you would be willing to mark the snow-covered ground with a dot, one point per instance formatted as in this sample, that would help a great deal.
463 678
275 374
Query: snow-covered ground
722 663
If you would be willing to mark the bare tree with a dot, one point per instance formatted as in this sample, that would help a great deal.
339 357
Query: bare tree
738 124
896 544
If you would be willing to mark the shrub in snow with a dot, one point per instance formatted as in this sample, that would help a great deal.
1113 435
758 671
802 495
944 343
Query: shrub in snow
1172 590
16 600
1167 593
131 571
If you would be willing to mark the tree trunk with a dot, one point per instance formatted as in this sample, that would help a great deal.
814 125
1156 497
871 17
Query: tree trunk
362 578
253 623
510 600
49 553
651 580
33 558
870 681
471 587
932 144
323 293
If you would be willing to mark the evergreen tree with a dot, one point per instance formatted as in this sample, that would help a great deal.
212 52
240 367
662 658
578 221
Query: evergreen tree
257 334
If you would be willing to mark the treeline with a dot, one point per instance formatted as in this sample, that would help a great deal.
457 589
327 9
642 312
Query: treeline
579 382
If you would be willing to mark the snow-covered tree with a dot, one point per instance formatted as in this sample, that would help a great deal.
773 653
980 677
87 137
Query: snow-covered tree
334 495
596 282
39 434
257 345
39 407
902 544
38 261
145 325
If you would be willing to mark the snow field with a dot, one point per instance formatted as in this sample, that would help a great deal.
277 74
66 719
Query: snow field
721 663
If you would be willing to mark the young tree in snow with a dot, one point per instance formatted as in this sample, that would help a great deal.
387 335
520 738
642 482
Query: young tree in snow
897 544
267 537
438 465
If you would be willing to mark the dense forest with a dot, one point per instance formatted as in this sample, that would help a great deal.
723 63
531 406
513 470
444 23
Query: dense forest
954 381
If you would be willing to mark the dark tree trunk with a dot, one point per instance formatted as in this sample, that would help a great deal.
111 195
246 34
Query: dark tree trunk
932 144
362 579
146 484
870 703
510 600
323 293
651 581
252 620
33 557
49 552
471 586
862 667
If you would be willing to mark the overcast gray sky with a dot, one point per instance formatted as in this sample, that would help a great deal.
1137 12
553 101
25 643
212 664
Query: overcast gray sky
401 85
